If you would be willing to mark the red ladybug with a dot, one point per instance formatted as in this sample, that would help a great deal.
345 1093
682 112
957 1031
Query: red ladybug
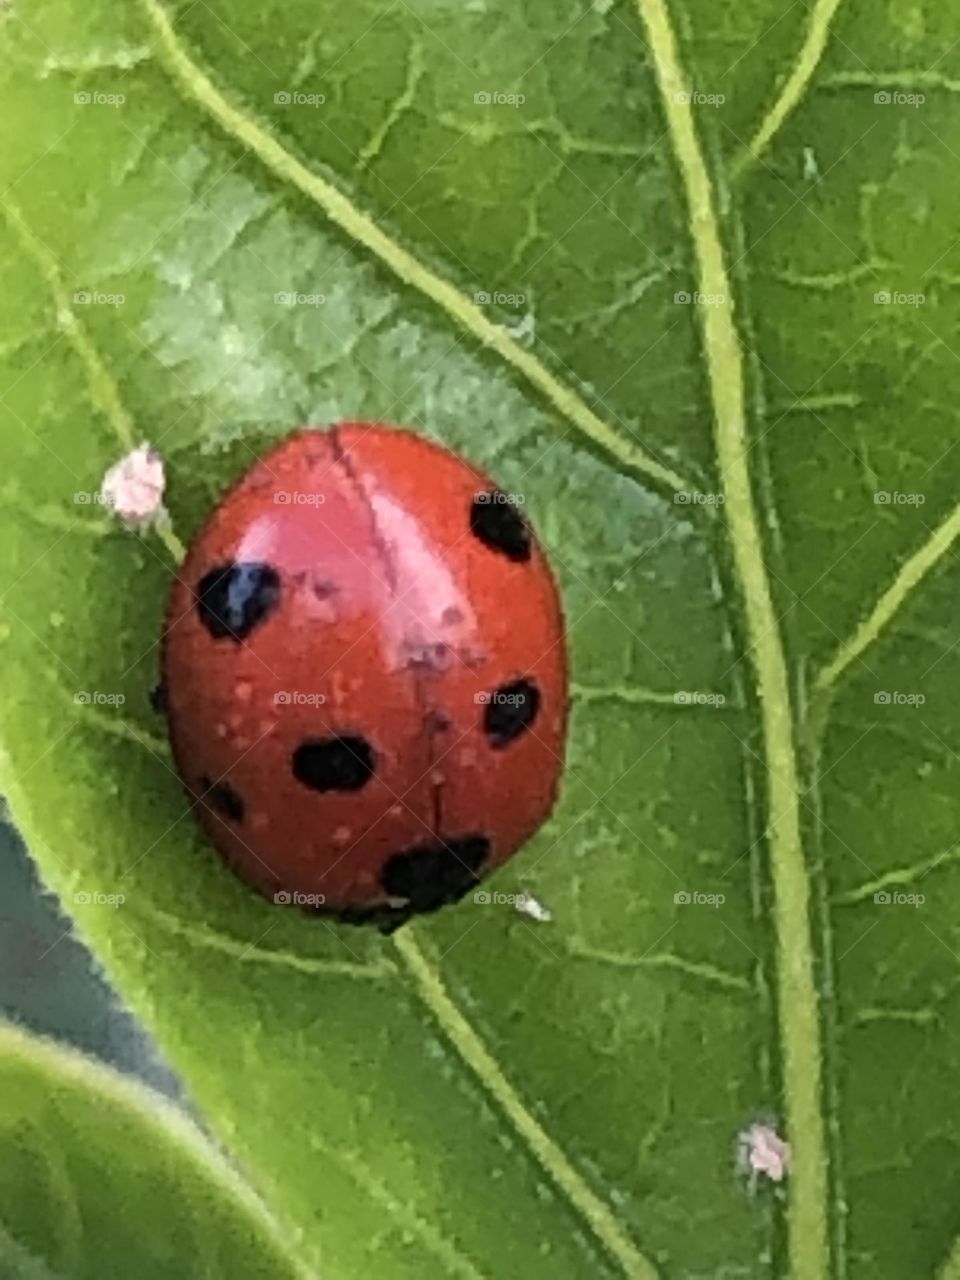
365 675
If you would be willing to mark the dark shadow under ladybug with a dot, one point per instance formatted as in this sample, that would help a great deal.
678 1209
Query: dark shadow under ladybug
426 878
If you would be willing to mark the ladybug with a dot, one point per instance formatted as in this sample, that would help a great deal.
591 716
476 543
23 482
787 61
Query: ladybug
364 675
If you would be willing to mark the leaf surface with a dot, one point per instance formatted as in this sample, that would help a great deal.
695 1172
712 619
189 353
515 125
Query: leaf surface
483 1095
103 1179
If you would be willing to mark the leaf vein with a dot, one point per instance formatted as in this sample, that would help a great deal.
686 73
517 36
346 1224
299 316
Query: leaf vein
603 1220
663 960
911 574
285 166
808 59
250 953
103 388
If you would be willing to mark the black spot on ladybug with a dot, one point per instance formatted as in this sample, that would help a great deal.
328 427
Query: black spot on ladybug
429 876
497 523
334 764
451 616
232 599
510 711
158 698
222 797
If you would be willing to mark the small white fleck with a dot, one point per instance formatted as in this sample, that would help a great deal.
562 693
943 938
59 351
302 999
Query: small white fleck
762 1151
528 905
134 487
523 330
811 169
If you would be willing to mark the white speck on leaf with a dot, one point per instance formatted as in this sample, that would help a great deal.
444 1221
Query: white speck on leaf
762 1151
528 905
811 170
134 487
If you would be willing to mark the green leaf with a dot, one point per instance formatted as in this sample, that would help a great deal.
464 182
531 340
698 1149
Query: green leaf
102 1178
483 1095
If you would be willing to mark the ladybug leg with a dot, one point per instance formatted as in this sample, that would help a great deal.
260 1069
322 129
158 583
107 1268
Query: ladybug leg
397 917
158 698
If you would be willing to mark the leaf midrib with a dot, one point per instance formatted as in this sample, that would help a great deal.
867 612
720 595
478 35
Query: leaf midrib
808 1246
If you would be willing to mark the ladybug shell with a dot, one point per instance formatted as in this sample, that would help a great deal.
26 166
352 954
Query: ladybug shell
365 675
